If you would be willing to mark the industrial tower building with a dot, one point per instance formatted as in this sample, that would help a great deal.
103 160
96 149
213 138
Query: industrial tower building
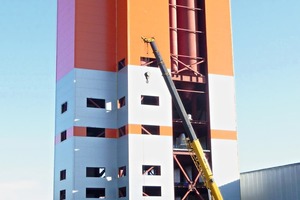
117 134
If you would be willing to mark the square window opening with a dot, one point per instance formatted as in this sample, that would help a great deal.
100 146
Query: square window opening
121 102
62 194
95 103
122 171
98 172
151 191
95 132
150 130
121 64
95 193
122 131
63 175
64 107
63 136
122 192
151 170
149 62
150 100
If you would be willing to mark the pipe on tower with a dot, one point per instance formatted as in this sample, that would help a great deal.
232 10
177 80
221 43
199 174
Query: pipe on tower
187 39
173 35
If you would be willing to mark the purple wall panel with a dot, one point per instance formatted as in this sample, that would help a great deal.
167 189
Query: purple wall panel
65 37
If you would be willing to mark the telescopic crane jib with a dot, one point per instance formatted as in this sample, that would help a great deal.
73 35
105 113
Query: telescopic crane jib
199 159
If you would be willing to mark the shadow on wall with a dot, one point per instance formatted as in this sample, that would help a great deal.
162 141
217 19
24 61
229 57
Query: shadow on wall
231 191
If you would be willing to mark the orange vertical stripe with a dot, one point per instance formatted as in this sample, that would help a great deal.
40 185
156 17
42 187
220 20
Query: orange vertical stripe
218 35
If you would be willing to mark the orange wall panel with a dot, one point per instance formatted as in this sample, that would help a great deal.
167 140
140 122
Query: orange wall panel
122 30
95 35
148 18
218 33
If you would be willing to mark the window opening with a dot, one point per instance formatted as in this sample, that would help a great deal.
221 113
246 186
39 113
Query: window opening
95 172
151 170
121 64
63 136
122 171
122 192
150 100
95 132
150 130
95 103
95 193
64 107
151 191
122 131
149 62
63 175
121 102
62 194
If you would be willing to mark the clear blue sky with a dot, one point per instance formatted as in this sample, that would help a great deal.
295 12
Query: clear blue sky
266 41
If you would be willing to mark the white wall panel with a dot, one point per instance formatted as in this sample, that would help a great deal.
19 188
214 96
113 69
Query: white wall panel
151 150
222 102
225 167
65 92
99 85
148 114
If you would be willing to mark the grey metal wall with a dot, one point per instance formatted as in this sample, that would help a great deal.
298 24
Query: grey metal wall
277 183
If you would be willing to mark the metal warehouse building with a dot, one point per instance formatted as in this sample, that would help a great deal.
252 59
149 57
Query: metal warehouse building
277 183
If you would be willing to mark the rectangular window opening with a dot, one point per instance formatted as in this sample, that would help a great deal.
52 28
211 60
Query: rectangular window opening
150 100
121 102
151 191
95 103
62 194
150 130
64 107
95 132
122 171
151 170
95 193
122 131
95 172
122 192
63 136
63 175
121 64
149 62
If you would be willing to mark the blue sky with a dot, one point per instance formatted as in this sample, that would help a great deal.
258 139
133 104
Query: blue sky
266 41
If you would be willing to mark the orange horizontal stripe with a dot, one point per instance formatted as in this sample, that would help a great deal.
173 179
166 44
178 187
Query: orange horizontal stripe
79 131
111 133
223 134
166 130
134 129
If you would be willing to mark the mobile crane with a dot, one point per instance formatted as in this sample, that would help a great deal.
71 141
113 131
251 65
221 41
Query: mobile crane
199 158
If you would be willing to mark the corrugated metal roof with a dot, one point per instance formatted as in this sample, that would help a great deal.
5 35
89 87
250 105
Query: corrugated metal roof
277 183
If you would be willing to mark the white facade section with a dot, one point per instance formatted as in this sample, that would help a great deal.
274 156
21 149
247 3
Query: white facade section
99 85
225 167
222 102
150 150
138 85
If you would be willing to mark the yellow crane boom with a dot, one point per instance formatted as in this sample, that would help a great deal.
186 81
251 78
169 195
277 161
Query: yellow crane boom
200 160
